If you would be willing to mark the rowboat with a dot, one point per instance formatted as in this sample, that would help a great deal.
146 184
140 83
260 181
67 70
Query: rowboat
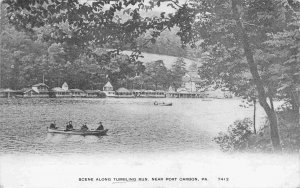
162 104
78 132
165 104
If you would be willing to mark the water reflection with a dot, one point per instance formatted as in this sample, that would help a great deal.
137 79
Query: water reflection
63 138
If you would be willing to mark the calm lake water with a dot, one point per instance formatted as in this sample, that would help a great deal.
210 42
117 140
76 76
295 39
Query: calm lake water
135 125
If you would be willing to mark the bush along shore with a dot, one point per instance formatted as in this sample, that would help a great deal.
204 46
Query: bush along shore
240 136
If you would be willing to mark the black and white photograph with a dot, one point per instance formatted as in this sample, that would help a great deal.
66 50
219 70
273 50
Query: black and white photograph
150 94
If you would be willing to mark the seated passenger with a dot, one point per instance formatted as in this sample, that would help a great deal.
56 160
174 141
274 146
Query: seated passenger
84 127
53 125
69 126
100 127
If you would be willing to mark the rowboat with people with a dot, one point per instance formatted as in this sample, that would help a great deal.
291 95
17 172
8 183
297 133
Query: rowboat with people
78 132
84 130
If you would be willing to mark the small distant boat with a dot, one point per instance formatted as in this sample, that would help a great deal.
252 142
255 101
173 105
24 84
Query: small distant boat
166 104
78 132
162 104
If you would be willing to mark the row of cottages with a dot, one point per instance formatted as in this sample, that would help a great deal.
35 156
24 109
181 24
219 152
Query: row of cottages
190 88
38 90
41 90
125 93
65 92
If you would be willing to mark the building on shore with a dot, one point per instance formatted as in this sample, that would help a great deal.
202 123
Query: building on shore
60 92
190 87
95 94
108 89
7 93
148 93
136 92
40 90
191 82
77 93
124 93
160 94
183 93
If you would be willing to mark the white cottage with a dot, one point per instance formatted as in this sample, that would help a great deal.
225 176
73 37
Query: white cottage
109 90
62 91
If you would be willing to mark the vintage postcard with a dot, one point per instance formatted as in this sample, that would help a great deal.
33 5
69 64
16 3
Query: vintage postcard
150 93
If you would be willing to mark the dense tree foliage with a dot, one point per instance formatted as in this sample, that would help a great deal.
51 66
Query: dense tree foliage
69 36
27 56
156 75
233 35
284 53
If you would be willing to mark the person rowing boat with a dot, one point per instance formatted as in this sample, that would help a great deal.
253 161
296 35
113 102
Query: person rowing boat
69 126
53 125
100 127
84 127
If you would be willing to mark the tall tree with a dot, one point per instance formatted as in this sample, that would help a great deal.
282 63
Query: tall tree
284 50
178 70
156 75
232 34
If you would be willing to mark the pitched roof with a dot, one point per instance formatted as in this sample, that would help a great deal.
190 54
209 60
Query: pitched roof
182 90
171 89
31 90
65 86
122 89
25 89
59 89
108 84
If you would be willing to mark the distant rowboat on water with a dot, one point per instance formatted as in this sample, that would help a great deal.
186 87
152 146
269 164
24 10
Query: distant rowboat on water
162 104
78 132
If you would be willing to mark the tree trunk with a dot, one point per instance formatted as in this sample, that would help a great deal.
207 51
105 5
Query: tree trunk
256 78
254 115
271 103
15 74
295 106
